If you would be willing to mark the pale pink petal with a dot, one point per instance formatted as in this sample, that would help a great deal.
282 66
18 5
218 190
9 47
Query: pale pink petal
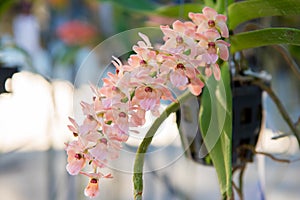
210 58
223 28
73 122
190 72
196 86
72 129
212 35
168 32
222 18
137 117
116 62
179 26
224 53
166 94
100 152
197 18
145 38
108 176
209 13
216 71
93 136
75 167
190 25
208 71
134 60
148 104
178 79
155 111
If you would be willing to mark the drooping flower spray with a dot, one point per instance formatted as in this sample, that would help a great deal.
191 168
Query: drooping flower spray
190 51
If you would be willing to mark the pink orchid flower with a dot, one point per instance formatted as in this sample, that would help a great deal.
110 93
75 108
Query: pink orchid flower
210 19
76 157
184 74
118 115
148 96
214 48
92 189
178 40
113 132
137 116
106 150
85 132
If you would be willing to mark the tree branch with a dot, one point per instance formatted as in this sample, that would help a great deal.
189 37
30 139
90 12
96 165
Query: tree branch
252 148
280 107
288 58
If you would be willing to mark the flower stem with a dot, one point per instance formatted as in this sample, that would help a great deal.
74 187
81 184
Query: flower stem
141 151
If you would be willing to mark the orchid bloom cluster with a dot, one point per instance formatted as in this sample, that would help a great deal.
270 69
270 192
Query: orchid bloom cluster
190 49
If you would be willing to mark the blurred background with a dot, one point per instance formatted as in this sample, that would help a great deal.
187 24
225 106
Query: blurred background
43 44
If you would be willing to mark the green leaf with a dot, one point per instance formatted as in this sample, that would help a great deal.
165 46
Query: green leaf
215 119
140 5
246 10
221 6
5 5
179 10
263 37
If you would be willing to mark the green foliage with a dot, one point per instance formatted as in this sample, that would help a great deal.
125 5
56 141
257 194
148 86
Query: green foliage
263 37
139 5
215 119
179 10
246 10
5 5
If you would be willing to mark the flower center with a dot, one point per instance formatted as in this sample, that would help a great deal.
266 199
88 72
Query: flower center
114 88
211 48
180 66
211 23
78 156
143 62
179 39
122 114
211 45
94 180
103 140
148 89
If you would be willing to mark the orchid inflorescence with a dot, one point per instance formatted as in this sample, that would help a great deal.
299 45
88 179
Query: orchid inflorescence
190 48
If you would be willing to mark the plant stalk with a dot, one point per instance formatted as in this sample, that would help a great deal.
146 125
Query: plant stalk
141 151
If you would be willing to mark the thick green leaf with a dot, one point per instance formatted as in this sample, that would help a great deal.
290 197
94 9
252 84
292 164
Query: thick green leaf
263 37
221 6
246 10
215 119
179 10
139 5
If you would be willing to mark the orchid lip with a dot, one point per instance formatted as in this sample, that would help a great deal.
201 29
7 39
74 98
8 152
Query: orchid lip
211 23
180 66
78 156
148 89
93 180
